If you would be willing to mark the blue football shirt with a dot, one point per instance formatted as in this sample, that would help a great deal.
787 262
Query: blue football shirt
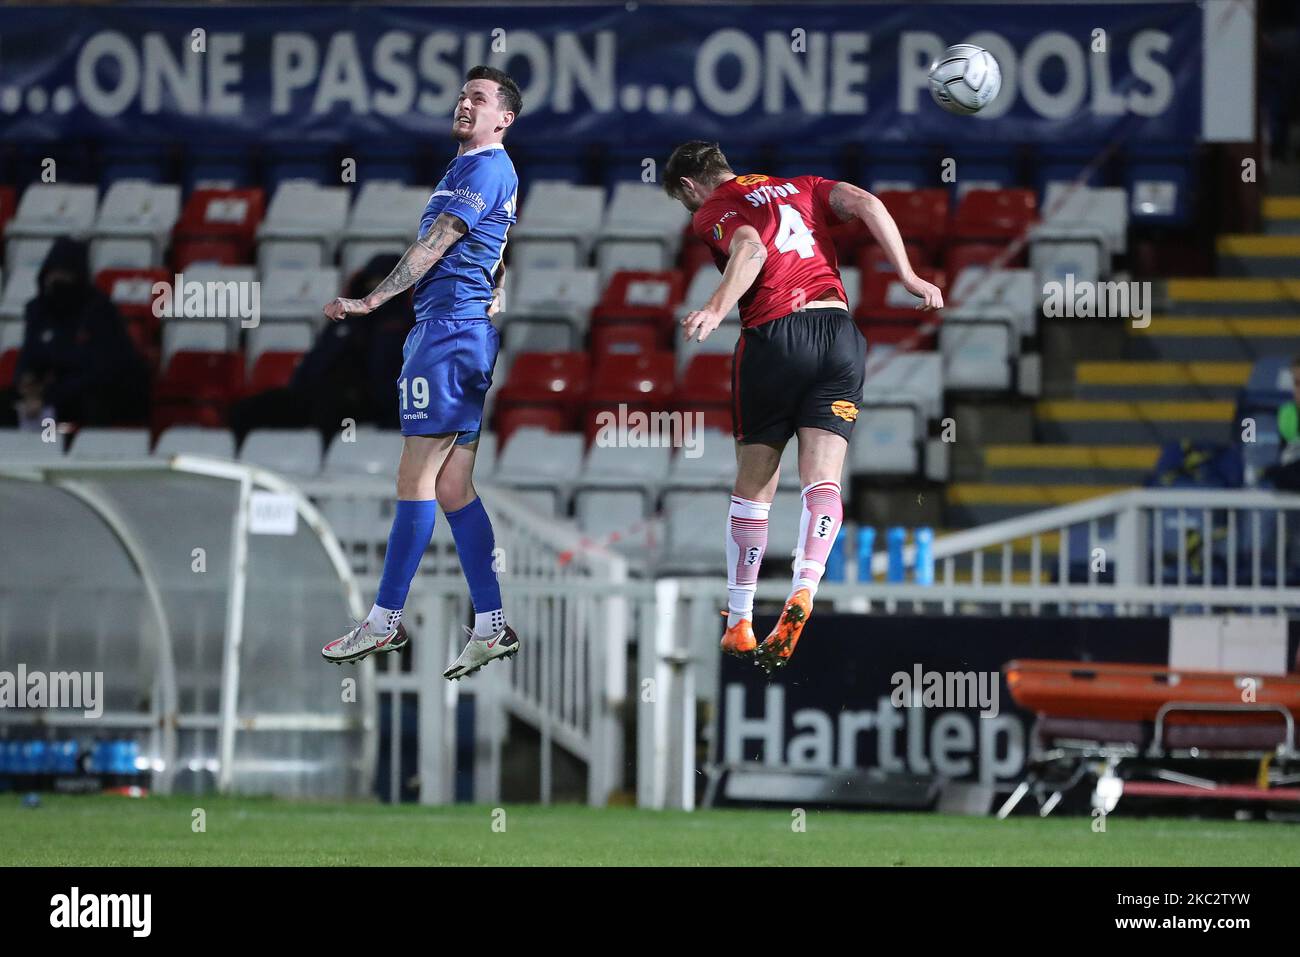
480 187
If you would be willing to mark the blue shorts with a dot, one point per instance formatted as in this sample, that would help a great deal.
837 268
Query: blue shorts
446 372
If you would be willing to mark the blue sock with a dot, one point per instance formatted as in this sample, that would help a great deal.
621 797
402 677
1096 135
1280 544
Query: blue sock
412 530
472 530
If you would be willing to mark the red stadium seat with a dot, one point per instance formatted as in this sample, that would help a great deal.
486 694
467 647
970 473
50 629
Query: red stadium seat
637 296
887 312
921 214
995 214
625 338
545 389
872 258
8 205
547 378
884 297
706 388
230 215
961 255
272 370
694 255
132 290
202 376
643 383
8 365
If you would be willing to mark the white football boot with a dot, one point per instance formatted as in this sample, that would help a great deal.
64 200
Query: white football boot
361 643
480 651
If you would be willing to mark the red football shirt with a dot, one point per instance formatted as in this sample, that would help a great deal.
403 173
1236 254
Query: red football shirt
793 218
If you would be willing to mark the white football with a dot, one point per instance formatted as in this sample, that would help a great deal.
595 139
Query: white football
965 79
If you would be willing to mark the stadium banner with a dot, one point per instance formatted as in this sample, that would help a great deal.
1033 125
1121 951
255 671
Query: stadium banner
837 704
814 74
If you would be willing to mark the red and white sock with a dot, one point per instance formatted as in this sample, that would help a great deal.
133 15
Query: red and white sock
746 542
823 513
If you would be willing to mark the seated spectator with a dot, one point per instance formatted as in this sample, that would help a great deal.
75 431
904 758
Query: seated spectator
1286 474
350 372
77 363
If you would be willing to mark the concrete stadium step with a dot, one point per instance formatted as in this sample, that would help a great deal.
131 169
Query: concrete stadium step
1258 255
1132 423
1282 215
1152 379
1069 464
975 503
1230 296
1211 337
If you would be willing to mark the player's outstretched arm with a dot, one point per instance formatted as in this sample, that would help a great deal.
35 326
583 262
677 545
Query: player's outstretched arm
744 263
850 202
418 260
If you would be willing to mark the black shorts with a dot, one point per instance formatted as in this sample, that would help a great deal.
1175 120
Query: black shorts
804 370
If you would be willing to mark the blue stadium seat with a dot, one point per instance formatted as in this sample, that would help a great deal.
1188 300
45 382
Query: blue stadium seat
1159 178
318 162
903 165
148 161
387 159
1061 164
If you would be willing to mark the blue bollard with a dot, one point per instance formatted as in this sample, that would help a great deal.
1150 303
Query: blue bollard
866 544
923 573
894 540
835 561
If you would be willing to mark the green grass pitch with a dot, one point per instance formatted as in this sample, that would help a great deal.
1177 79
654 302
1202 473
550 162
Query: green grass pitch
116 831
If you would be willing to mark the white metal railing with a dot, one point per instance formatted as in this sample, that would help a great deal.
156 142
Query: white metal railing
569 682
581 615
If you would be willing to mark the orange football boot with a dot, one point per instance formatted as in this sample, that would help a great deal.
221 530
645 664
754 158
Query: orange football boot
776 649
739 639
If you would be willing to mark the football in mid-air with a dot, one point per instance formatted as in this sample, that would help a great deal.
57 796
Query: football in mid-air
965 79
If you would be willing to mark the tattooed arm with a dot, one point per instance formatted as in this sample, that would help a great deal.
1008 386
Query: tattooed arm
849 202
418 260
745 262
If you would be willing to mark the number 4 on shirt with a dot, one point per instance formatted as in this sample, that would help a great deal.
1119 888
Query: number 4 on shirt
793 234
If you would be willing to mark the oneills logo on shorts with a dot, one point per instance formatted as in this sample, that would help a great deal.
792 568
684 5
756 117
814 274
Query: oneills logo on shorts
845 410
751 178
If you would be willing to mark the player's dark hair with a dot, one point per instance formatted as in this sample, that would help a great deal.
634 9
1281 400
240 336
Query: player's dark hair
698 160
509 89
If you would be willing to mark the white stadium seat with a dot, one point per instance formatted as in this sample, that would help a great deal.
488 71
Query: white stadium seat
357 252
538 460
561 297
555 227
914 377
135 213
194 335
976 354
642 230
28 252
374 452
195 440
714 467
695 528
639 469
601 513
52 209
885 442
303 214
980 291
11 335
123 253
296 451
18 446
102 444
298 293
277 337
386 209
702 286
19 289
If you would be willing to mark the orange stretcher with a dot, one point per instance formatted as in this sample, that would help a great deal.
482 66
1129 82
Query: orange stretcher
1129 692
1122 725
